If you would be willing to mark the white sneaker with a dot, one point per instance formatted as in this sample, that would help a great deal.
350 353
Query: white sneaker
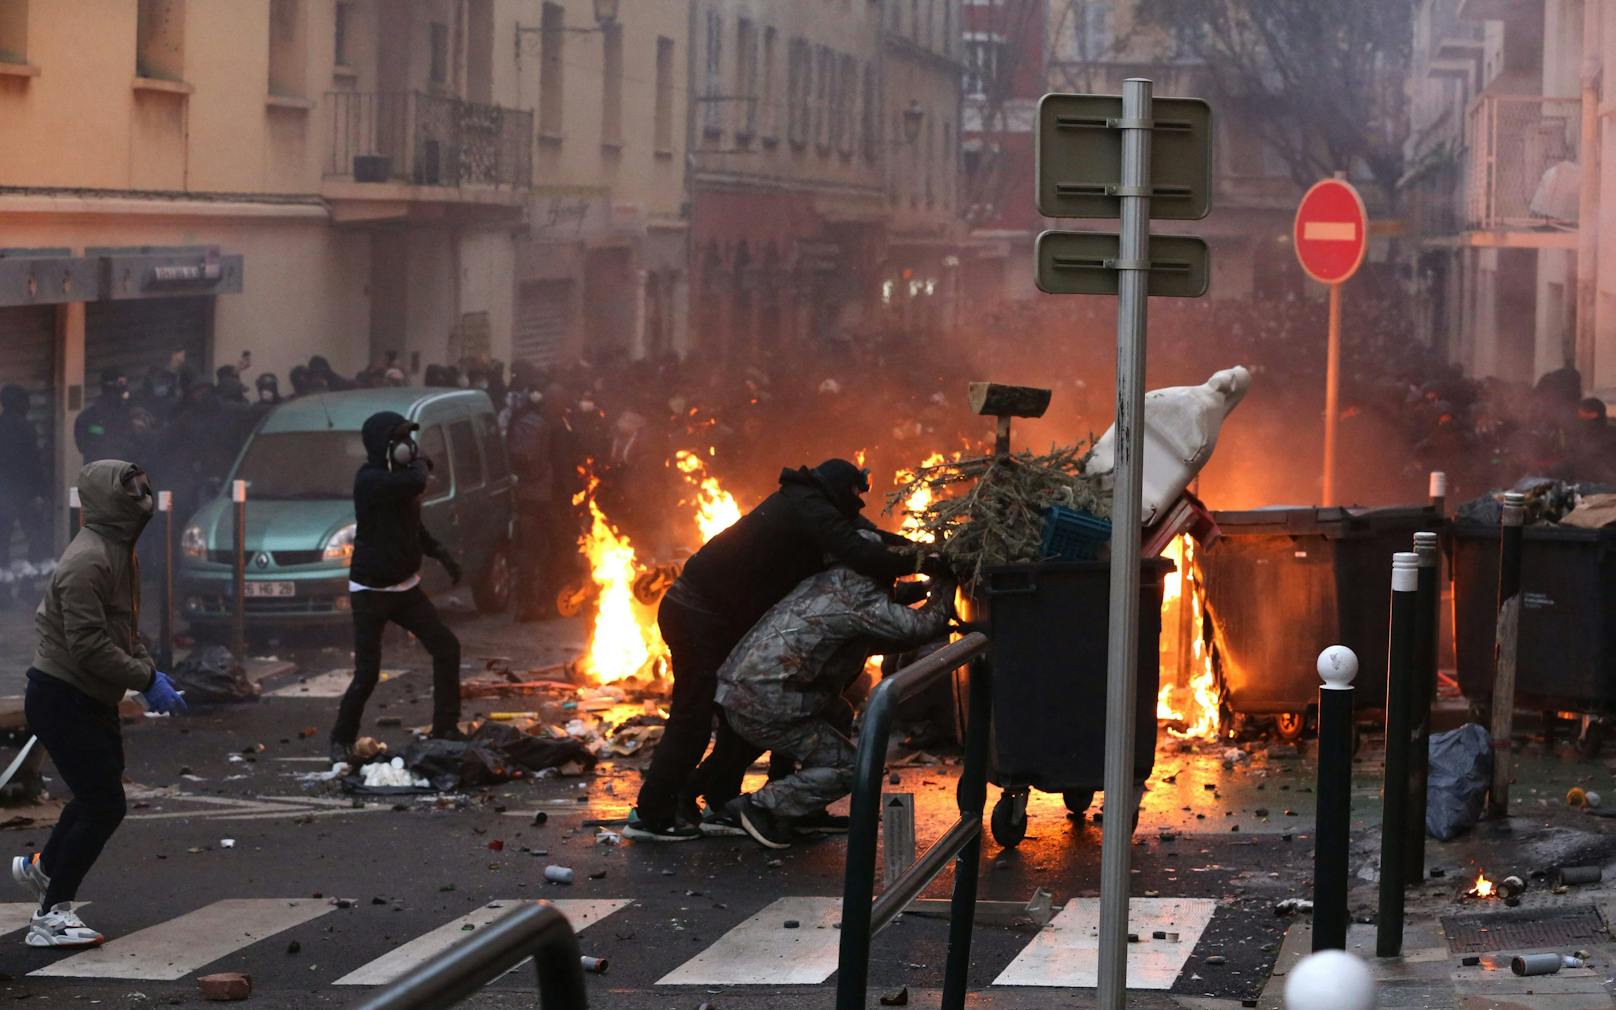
26 872
60 928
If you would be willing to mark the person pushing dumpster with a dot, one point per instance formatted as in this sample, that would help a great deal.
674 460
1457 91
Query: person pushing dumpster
722 591
781 689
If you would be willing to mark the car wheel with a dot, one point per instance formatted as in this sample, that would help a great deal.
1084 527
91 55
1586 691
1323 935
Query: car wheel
492 590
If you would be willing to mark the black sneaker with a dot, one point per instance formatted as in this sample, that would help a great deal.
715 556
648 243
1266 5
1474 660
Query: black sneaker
765 829
821 822
651 831
719 824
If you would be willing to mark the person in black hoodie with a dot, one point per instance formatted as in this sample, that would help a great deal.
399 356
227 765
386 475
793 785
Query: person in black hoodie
811 522
384 582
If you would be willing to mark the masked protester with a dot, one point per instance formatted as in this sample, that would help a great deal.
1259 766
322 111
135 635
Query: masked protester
87 654
384 583
811 522
269 390
102 430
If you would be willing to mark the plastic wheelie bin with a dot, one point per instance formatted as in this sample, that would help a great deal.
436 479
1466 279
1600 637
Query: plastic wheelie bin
1048 624
1283 583
1566 660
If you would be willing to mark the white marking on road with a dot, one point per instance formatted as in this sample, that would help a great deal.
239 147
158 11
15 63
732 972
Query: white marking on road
14 915
581 912
331 684
1066 953
173 949
1329 231
761 951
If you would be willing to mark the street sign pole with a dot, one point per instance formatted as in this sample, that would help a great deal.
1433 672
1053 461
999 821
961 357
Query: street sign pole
1332 395
1133 268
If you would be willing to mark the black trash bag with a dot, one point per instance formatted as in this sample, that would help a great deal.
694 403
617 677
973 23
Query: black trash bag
1461 774
213 676
451 764
533 753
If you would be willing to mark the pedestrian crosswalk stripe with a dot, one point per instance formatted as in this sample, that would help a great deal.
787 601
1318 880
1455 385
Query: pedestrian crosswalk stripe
174 949
762 951
331 684
581 912
14 915
1066 953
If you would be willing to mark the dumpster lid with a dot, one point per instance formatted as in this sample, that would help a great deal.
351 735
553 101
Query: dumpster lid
1470 530
1312 520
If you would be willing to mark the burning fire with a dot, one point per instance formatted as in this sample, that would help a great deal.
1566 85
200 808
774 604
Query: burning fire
1484 888
918 501
624 641
716 510
1195 706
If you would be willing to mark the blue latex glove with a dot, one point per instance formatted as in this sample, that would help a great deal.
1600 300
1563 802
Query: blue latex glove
161 696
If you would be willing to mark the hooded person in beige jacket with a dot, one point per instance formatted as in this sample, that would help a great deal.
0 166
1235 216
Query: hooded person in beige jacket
88 653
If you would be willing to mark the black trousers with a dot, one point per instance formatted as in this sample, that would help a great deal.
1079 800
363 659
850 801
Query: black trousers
85 742
414 612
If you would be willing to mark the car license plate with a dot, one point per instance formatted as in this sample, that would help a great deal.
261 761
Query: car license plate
271 589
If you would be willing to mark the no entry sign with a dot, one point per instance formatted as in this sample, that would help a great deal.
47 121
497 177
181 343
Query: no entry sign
1331 232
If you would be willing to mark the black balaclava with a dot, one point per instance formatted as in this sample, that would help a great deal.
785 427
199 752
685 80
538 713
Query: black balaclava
844 481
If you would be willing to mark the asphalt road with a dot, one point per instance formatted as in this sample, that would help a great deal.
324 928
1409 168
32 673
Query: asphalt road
313 889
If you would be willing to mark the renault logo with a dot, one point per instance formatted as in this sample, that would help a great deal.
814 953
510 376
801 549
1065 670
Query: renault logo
262 560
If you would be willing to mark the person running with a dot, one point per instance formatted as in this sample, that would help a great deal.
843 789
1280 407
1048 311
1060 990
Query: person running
384 583
87 654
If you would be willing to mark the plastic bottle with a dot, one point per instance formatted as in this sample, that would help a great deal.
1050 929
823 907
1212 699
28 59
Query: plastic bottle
1180 431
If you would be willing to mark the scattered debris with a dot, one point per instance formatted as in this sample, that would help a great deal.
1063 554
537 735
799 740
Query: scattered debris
1291 906
225 987
1570 875
594 965
1216 960
792 924
227 843
604 837
899 998
558 874
294 947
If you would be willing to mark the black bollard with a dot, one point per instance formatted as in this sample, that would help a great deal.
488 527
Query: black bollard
165 631
1337 667
1423 682
238 623
1394 790
1504 650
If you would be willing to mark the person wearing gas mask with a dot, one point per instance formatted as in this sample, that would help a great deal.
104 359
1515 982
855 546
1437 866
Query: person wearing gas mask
87 653
384 582
812 522
103 430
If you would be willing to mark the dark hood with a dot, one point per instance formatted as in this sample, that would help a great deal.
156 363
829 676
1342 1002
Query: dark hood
841 488
108 508
378 432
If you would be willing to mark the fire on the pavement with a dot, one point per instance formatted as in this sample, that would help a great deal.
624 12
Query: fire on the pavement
1483 888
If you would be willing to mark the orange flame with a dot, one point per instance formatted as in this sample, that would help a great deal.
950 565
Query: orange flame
716 510
624 641
1484 888
1195 706
918 501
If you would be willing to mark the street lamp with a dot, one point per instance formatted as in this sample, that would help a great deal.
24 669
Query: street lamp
912 118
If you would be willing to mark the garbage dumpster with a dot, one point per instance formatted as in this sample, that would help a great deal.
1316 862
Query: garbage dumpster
1283 583
1567 652
1048 626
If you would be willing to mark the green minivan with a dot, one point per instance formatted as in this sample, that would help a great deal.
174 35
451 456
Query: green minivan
299 467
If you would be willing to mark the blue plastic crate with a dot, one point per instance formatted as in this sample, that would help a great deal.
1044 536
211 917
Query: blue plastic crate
1070 535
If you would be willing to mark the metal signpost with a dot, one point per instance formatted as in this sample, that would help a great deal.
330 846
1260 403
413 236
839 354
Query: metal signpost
1096 155
238 616
1331 236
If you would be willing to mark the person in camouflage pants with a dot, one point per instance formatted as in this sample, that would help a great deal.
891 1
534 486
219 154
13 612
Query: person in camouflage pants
781 688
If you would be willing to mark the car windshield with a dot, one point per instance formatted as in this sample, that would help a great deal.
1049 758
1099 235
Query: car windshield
301 464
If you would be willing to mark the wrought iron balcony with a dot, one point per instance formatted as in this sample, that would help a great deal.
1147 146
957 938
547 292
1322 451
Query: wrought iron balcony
427 140
1521 173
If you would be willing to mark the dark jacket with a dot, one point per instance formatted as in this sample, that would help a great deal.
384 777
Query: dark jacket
390 540
22 469
541 448
751 566
87 623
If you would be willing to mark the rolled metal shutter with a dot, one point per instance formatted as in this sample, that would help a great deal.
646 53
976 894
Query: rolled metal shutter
543 317
134 335
28 359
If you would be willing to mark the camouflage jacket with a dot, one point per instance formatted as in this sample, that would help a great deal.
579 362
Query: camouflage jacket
811 645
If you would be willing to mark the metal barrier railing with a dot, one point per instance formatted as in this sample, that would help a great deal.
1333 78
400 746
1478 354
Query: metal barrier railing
538 930
862 913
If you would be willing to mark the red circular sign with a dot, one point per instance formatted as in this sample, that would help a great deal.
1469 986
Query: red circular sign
1331 232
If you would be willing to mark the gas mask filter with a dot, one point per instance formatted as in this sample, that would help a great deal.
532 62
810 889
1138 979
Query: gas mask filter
403 452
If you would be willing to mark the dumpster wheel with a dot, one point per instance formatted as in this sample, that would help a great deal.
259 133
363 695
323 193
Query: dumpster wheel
1290 725
1009 821
1078 801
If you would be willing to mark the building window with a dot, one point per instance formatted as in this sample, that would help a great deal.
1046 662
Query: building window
847 93
13 31
799 122
160 40
438 54
948 28
286 48
611 92
746 81
982 65
870 126
1095 36
712 102
927 36
822 93
344 33
664 96
552 20
769 92
950 164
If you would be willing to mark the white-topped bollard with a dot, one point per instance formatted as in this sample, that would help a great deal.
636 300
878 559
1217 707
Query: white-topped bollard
1330 980
1402 638
1338 667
